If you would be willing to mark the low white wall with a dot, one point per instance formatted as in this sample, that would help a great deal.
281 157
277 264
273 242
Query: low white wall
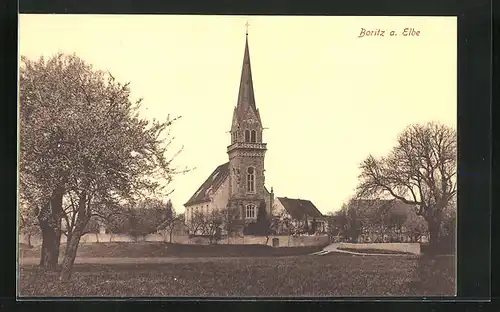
413 248
284 241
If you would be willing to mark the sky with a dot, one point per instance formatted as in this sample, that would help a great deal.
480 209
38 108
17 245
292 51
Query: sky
327 97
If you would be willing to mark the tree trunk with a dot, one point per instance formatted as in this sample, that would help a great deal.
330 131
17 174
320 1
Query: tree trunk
50 247
83 217
171 236
51 238
49 220
70 255
433 226
29 241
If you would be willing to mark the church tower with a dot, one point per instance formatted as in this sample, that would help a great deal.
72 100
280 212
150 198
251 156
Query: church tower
247 150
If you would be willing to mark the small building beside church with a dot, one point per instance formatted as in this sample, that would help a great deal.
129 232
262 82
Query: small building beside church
239 184
300 211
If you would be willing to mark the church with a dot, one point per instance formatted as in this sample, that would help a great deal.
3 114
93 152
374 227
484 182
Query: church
240 182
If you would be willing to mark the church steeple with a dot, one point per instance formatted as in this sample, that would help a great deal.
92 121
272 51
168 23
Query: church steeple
247 150
245 106
246 96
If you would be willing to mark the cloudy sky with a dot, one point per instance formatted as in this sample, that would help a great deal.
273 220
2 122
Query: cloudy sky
327 97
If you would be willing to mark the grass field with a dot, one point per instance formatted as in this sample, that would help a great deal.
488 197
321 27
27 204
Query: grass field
330 275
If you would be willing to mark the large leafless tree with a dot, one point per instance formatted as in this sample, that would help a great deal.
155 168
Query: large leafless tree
420 170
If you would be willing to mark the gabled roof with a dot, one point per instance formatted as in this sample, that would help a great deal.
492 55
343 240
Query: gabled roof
211 184
300 208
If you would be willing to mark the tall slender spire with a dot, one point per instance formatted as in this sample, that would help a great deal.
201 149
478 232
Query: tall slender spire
246 97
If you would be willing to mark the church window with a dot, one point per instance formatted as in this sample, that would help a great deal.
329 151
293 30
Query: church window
247 135
251 180
250 211
254 135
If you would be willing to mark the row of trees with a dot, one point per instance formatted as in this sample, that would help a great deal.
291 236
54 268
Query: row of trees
420 171
147 217
150 217
85 152
228 221
350 223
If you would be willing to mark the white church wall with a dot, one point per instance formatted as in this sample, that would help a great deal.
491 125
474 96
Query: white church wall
220 198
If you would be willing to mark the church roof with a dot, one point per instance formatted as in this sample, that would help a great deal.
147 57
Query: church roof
211 184
299 208
246 96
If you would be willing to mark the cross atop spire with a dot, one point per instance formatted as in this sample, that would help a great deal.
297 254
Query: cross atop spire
246 28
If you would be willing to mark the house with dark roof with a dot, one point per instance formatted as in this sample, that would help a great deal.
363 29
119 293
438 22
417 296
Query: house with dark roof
299 211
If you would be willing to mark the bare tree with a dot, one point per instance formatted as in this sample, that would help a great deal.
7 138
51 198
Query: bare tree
231 220
333 226
415 226
116 224
420 170
170 220
196 223
355 222
284 224
213 223
338 223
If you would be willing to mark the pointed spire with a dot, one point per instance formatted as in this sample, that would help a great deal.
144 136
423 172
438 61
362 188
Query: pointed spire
246 96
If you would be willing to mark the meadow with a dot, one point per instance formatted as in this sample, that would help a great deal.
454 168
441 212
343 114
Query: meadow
261 271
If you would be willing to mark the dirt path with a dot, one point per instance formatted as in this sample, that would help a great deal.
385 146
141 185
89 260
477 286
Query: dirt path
335 248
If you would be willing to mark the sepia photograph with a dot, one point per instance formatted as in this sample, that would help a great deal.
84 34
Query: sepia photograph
237 156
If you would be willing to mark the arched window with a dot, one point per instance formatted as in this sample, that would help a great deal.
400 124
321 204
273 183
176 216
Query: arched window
247 135
254 136
250 211
251 180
